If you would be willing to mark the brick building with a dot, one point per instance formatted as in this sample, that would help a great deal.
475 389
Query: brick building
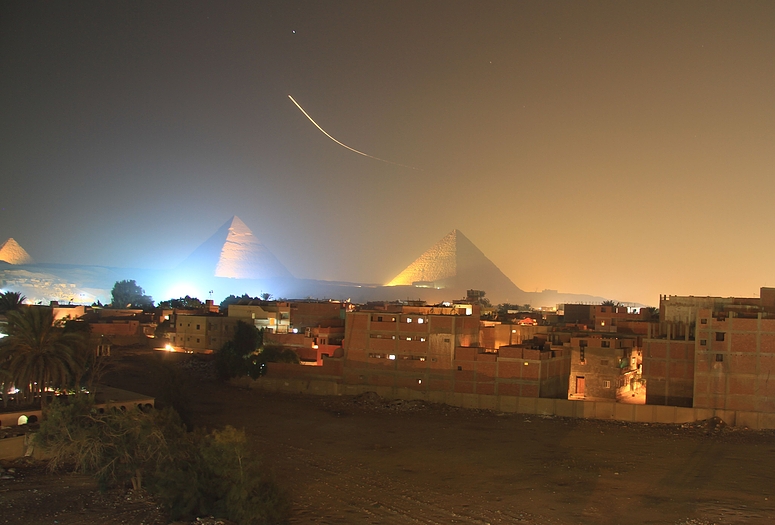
603 367
713 352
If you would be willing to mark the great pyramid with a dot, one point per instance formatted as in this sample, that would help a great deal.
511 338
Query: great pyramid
234 252
12 253
455 262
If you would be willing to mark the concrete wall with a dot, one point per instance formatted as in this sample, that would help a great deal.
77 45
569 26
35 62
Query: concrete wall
521 405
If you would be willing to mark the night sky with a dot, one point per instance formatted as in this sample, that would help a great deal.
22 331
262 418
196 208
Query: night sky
621 149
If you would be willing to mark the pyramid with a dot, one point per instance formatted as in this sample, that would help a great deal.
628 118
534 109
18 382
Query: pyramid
12 253
234 252
455 262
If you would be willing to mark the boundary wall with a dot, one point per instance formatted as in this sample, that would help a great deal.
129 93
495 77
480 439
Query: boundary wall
521 405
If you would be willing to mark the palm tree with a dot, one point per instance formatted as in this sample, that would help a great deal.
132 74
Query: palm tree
38 354
11 301
5 384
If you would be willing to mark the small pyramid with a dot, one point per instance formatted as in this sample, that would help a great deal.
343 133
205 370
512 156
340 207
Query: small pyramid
455 262
234 252
12 253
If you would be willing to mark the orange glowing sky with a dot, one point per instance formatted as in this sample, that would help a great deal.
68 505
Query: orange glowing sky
621 149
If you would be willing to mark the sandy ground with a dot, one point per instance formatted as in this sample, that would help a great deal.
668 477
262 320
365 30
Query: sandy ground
369 461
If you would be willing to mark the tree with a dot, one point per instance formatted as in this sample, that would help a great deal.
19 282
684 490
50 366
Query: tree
39 355
232 359
187 302
11 301
233 299
127 294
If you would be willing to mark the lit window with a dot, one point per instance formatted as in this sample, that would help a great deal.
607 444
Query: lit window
408 338
513 331
408 319
392 357
422 339
606 384
602 323
419 381
420 320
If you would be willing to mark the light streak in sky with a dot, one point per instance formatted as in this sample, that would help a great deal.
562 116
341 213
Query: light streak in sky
345 145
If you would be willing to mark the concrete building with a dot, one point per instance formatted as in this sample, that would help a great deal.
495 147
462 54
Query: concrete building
603 367
202 333
272 316
412 346
438 349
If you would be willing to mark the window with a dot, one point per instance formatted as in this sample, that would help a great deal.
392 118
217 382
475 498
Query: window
460 368
719 358
197 339
392 357
581 354
379 318
446 340
606 384
703 321
408 319
605 344
719 336
197 327
602 310
420 320
703 342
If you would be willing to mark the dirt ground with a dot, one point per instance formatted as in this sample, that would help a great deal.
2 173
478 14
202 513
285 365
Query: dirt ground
366 460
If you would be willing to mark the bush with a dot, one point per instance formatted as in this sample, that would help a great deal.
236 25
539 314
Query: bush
191 474
225 480
117 446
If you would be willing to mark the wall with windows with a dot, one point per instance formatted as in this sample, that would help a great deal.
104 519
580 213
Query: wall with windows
601 367
735 361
